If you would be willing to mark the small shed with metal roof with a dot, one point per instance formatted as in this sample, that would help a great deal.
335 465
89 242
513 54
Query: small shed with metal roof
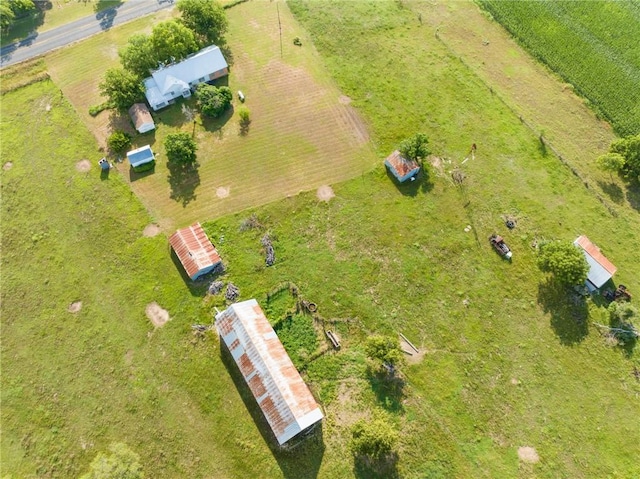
402 168
601 269
141 156
283 397
194 250
141 118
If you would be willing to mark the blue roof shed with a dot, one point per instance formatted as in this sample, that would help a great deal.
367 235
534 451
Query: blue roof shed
140 156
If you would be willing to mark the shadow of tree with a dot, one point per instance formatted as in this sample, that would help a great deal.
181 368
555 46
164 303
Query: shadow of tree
421 183
613 191
389 390
384 468
106 11
215 124
183 179
633 195
568 310
302 456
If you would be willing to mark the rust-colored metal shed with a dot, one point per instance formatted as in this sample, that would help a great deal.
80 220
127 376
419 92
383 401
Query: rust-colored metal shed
278 388
402 168
194 250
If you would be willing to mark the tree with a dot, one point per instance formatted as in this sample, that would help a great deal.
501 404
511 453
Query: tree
181 148
12 9
629 149
172 41
415 148
206 19
138 56
374 440
245 117
213 101
122 463
565 261
385 352
119 141
121 87
611 162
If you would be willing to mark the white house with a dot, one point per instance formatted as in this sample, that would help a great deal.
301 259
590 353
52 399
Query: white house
175 80
283 397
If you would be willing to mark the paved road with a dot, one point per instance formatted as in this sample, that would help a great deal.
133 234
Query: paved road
39 43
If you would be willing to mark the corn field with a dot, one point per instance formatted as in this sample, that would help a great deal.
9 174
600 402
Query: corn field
594 46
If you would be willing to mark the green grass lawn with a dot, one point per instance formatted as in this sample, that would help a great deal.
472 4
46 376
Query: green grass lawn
508 362
302 135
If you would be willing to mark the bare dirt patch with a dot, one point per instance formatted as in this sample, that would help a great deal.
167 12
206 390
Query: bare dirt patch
410 354
528 454
128 357
75 307
83 166
156 314
223 192
344 99
151 230
7 166
346 409
325 193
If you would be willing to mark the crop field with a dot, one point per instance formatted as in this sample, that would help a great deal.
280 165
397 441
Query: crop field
513 379
303 133
594 46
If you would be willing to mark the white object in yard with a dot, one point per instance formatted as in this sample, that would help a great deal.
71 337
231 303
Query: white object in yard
241 96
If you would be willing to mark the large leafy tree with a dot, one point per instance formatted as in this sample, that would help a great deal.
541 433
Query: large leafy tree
611 162
629 149
206 18
121 463
213 101
565 261
12 9
138 56
181 148
415 148
121 87
172 41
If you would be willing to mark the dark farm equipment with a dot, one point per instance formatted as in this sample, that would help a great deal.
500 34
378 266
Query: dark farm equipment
500 246
620 294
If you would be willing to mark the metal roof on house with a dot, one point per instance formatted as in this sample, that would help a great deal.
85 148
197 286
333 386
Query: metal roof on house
140 115
600 268
284 398
200 64
193 248
400 166
140 156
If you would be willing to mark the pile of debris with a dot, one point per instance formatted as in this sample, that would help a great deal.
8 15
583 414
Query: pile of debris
270 253
215 287
232 292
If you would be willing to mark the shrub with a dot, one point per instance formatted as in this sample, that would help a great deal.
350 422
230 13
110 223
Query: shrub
245 116
384 353
213 101
373 439
119 141
181 148
622 317
95 110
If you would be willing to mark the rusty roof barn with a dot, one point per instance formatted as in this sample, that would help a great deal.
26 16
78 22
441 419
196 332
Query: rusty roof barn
402 168
284 398
601 269
196 253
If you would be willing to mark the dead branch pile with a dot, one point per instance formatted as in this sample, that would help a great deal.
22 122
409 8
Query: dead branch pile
215 287
250 223
270 253
232 292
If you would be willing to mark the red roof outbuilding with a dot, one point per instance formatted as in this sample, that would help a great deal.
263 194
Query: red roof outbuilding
196 253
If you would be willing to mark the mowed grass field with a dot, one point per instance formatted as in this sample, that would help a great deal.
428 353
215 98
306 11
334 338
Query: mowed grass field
303 132
508 361
595 46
